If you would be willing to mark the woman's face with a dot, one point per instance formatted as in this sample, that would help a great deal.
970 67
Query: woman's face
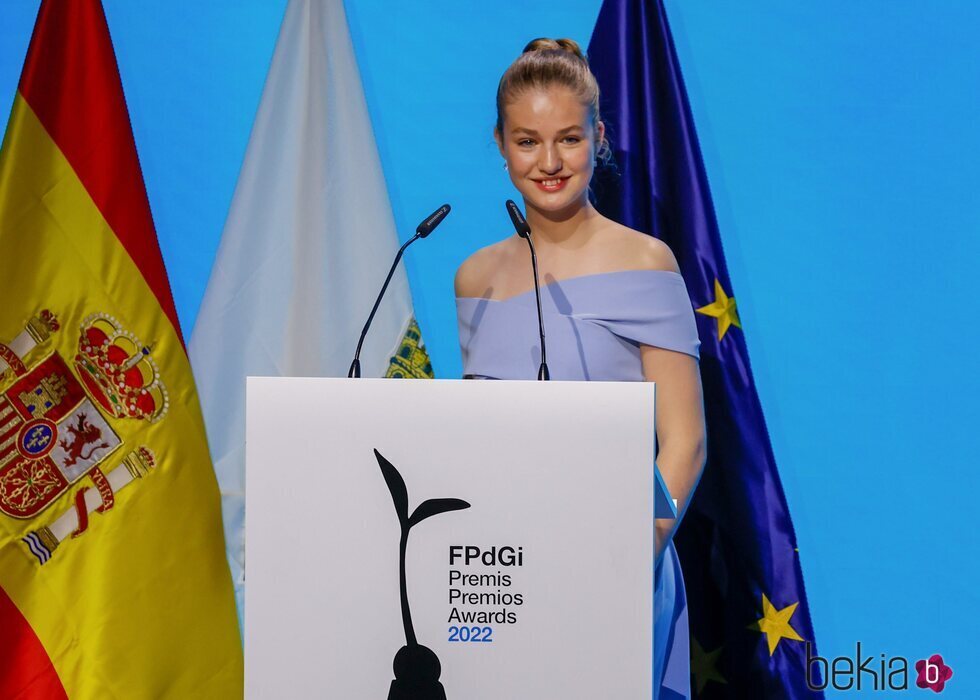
549 144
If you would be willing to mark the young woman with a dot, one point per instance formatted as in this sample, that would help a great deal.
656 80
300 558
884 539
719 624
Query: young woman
615 306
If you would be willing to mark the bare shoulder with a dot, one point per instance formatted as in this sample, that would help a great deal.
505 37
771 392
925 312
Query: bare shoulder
475 277
639 251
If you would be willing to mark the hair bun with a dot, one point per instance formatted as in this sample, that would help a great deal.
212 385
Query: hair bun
544 44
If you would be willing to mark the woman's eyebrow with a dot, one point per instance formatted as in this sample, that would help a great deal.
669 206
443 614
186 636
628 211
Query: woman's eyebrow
532 132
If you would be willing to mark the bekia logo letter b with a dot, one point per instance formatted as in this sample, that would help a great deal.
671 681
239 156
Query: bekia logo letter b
933 673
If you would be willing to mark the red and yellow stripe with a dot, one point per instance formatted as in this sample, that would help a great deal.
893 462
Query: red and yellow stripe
72 85
141 605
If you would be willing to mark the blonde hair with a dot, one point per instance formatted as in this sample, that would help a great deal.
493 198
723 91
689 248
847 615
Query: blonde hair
545 63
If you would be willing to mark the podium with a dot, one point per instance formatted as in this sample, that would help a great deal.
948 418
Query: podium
469 540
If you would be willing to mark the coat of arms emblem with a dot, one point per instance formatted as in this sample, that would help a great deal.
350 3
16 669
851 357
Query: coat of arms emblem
56 424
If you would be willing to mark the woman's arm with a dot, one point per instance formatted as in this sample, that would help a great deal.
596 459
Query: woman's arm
680 429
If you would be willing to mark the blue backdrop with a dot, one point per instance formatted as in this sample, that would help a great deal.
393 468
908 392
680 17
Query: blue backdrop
841 145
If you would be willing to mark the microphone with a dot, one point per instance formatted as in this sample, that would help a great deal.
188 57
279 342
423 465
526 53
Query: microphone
427 226
520 223
434 219
524 231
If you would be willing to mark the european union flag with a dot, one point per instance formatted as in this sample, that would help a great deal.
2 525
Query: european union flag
749 618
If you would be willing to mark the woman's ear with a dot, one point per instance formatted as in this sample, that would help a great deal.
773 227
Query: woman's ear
600 136
498 137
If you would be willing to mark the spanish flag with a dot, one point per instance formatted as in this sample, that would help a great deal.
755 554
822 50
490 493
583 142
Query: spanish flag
113 579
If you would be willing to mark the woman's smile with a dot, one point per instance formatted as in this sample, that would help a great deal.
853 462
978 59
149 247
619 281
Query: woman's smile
551 184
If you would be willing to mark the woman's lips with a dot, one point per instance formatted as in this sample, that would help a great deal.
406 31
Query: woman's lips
552 185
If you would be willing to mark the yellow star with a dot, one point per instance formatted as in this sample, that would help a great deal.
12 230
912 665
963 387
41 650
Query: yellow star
775 623
703 665
722 308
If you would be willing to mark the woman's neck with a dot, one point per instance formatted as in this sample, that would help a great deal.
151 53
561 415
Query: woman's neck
566 228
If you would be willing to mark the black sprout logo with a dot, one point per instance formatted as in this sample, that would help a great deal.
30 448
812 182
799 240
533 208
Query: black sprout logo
417 668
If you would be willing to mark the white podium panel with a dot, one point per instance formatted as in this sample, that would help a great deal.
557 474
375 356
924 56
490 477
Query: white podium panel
532 581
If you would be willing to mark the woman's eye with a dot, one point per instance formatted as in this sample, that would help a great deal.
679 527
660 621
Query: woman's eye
525 142
572 139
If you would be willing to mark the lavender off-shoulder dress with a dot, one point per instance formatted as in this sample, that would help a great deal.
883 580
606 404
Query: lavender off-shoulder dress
595 326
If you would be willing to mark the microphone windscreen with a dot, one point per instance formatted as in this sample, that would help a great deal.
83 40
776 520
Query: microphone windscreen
433 220
517 218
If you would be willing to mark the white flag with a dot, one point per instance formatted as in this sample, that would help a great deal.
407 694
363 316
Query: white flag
305 249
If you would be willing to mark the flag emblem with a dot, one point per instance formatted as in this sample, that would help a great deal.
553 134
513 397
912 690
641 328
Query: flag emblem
37 438
55 426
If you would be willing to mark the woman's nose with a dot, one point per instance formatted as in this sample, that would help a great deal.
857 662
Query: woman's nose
550 161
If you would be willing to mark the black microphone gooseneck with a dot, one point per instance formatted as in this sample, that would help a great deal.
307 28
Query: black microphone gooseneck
524 231
423 230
